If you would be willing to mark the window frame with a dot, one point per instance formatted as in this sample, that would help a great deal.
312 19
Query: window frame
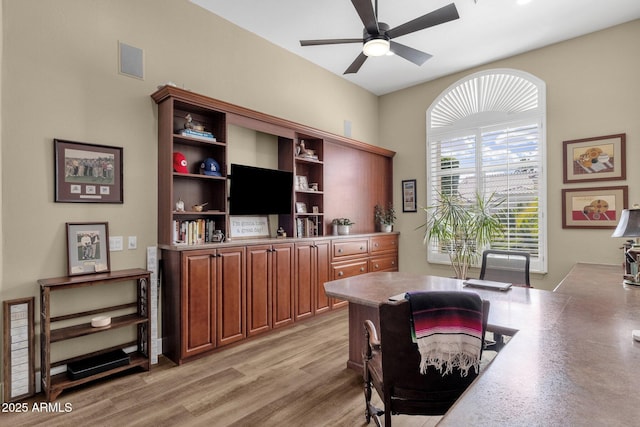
476 121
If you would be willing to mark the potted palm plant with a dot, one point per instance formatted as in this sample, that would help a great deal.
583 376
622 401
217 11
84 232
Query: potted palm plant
385 217
463 227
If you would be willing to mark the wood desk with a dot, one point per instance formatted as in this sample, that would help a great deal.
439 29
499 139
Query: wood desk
572 360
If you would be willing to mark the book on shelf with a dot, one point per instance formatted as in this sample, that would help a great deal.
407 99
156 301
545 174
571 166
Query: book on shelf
307 227
193 232
197 134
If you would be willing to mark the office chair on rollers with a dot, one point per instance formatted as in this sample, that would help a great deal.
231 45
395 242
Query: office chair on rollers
504 266
392 359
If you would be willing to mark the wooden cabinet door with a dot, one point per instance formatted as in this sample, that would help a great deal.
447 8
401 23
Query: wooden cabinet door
321 274
283 279
231 308
198 304
304 280
259 268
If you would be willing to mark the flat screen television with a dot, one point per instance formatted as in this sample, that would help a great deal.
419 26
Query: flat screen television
259 191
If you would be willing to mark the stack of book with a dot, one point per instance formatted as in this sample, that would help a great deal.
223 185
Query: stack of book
307 227
193 232
202 134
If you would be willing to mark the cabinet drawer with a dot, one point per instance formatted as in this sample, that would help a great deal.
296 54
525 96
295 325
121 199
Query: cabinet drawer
384 263
349 269
350 248
384 243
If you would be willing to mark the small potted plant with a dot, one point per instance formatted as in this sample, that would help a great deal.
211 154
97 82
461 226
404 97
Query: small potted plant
342 226
385 217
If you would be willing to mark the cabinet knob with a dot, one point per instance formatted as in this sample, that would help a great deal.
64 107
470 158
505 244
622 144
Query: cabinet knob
340 250
361 268
376 266
340 273
376 244
393 263
361 248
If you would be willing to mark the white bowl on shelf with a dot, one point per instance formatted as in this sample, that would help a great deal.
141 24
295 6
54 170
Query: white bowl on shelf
100 321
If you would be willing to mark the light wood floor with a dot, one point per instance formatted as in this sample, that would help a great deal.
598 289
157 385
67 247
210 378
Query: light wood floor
294 377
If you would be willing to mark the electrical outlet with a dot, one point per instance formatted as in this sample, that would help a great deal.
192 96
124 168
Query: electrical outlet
133 242
115 243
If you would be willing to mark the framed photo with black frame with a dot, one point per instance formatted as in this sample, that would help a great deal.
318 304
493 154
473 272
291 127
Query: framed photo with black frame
87 248
87 173
409 195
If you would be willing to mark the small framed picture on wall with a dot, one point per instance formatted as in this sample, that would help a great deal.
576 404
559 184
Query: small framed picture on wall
409 195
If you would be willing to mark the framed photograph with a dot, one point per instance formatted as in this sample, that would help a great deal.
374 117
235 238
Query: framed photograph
302 183
87 173
593 207
301 207
87 248
601 158
409 195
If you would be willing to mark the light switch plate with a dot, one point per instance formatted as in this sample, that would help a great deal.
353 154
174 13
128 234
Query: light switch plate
115 243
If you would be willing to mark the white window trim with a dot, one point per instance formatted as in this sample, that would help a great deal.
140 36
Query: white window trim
475 120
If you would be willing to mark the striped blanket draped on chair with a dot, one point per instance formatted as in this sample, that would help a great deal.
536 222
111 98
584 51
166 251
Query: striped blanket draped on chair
447 326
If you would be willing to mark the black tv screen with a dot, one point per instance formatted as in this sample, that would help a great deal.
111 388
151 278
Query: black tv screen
259 191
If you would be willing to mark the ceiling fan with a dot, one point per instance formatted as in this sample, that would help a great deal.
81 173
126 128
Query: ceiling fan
377 36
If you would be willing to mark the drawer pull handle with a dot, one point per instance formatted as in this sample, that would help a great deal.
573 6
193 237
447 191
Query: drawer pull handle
340 273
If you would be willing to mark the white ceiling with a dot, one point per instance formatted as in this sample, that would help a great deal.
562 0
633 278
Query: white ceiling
486 31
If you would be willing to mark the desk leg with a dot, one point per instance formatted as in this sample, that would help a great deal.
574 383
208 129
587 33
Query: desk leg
357 315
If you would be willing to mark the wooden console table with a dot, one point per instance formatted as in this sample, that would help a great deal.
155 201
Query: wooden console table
53 385
572 360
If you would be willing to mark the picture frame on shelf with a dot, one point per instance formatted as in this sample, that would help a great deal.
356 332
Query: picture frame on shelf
598 207
600 158
248 227
409 195
301 207
302 183
87 248
87 173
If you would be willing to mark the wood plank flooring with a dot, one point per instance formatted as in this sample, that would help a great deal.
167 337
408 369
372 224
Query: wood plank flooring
293 377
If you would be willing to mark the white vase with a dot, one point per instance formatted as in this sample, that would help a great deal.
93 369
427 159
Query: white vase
386 228
344 230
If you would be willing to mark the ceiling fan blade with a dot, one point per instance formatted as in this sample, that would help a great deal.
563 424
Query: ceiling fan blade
355 65
410 54
437 17
367 15
328 41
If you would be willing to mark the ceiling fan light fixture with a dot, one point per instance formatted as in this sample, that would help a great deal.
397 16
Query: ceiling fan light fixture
376 47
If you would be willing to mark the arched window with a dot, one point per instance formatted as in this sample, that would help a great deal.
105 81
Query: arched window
486 135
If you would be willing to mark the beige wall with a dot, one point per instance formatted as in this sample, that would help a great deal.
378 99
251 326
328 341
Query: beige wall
60 80
60 75
593 89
